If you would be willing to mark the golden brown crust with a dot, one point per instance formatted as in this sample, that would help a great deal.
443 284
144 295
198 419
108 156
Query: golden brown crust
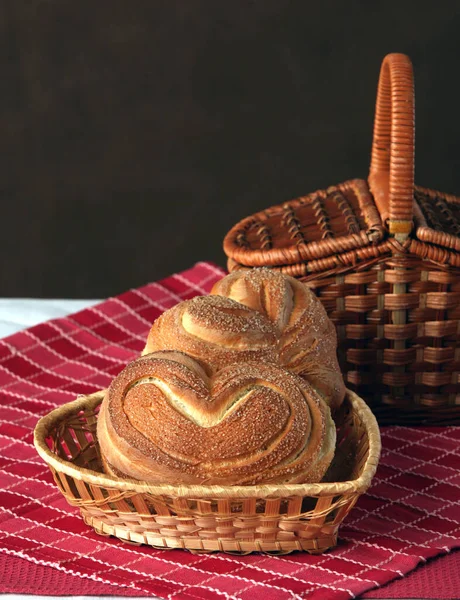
216 331
165 420
307 337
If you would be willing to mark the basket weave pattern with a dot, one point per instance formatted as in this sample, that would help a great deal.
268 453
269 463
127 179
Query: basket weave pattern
384 258
243 519
307 228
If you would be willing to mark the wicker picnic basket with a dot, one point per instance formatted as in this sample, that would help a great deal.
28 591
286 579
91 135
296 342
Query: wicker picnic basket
242 519
383 255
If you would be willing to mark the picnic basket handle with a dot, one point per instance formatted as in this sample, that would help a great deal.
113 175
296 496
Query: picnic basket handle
391 176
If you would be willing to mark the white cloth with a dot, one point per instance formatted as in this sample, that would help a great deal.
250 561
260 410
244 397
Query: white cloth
20 313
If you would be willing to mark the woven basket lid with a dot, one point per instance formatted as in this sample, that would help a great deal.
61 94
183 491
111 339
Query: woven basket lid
323 223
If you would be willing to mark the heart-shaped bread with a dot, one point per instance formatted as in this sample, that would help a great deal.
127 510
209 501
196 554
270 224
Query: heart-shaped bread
165 420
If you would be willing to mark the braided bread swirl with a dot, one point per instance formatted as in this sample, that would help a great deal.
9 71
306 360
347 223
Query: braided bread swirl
307 340
164 420
217 331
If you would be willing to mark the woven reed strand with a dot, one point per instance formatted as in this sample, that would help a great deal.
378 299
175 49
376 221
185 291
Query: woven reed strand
392 157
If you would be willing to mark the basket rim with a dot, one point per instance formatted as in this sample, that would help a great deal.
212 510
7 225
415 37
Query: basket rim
355 486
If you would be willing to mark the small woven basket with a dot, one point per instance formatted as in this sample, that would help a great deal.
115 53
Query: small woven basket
383 255
241 519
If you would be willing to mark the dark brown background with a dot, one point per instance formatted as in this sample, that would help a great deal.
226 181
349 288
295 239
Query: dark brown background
133 134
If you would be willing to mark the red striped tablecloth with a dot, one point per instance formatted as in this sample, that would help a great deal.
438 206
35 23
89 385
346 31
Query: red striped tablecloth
411 513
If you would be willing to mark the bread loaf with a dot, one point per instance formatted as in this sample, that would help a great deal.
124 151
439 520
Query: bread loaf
164 420
307 337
